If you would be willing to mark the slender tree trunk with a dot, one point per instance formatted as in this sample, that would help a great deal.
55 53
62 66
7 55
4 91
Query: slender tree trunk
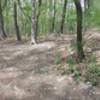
79 30
54 16
5 4
38 15
16 23
63 16
87 13
33 30
2 31
87 4
50 15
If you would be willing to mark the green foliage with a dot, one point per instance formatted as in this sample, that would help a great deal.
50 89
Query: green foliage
45 19
73 69
58 59
96 18
77 74
71 20
73 45
93 71
70 68
91 17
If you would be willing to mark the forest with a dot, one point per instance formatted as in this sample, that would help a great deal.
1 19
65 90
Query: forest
49 49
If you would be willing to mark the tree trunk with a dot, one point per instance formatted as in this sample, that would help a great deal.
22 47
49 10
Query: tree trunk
2 31
87 14
54 16
33 30
16 23
50 15
63 16
87 4
79 30
38 15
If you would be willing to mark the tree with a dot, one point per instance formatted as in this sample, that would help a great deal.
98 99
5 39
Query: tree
2 30
50 15
87 4
87 13
79 30
38 15
33 30
54 15
63 16
16 22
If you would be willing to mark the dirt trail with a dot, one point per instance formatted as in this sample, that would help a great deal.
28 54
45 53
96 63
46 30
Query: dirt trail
29 73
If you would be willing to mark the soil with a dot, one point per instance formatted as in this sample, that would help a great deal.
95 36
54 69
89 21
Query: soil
29 72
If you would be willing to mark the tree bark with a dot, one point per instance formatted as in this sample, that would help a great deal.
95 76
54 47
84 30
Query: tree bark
38 15
79 30
33 29
63 16
2 30
50 15
54 16
16 22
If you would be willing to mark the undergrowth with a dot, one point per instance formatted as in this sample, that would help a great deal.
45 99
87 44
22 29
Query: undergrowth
87 71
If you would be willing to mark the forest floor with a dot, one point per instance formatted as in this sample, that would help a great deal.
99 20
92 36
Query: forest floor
29 72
